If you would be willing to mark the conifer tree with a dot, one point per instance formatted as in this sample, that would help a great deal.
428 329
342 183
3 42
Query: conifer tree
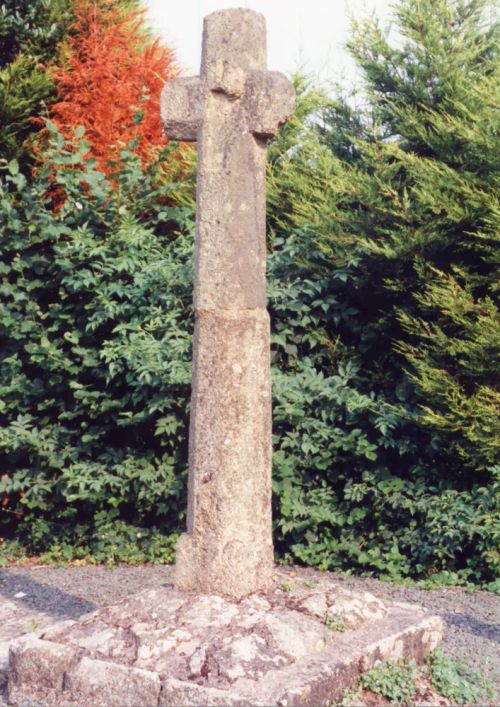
108 80
395 210
30 31
435 212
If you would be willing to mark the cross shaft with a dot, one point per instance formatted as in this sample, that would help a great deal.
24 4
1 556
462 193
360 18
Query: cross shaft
231 110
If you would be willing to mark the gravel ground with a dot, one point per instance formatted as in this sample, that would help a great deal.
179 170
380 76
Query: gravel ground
472 618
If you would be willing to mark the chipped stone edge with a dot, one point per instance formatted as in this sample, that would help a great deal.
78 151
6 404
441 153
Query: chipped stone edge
323 682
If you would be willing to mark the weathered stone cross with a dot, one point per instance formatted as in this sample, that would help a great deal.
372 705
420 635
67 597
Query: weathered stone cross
232 109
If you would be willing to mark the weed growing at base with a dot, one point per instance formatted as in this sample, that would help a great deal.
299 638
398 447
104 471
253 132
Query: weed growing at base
397 682
452 680
335 622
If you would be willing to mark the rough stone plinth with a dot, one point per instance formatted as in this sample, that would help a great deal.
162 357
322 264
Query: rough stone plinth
293 645
231 109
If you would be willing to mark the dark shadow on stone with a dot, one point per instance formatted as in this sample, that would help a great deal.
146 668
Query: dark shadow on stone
42 597
469 623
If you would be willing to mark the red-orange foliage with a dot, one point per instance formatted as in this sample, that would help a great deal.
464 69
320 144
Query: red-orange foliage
111 74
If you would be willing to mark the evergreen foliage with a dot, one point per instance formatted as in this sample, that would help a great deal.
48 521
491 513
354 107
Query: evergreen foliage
32 27
95 363
30 31
387 266
438 136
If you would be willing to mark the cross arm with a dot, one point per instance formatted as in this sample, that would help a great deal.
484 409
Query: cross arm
180 107
270 102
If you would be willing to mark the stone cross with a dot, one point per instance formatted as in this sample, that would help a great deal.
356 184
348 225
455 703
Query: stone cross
232 109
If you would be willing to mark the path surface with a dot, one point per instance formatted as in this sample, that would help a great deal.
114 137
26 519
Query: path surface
33 597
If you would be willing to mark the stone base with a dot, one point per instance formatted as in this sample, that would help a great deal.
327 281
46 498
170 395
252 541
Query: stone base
297 644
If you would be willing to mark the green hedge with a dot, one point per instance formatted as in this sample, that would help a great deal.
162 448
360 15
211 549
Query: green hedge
95 362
